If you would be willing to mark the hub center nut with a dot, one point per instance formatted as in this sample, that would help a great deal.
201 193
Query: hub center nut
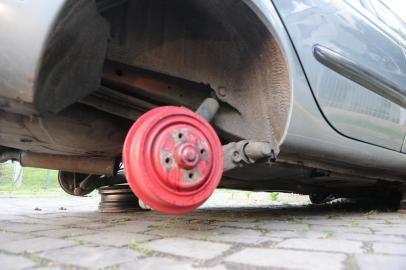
187 156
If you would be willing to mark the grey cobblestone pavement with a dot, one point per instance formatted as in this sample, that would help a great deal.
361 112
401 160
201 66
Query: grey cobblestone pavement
69 233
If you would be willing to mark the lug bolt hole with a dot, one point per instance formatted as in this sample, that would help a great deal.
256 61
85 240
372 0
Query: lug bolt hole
167 160
202 151
191 175
180 136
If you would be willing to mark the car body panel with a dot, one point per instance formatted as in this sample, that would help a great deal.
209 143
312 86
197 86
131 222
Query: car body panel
24 30
310 138
352 109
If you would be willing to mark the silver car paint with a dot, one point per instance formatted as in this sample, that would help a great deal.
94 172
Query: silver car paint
310 139
24 28
352 109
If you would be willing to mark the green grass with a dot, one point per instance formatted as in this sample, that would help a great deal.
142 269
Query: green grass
137 247
33 183
274 196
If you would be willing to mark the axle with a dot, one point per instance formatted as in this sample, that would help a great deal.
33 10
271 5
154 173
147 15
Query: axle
236 154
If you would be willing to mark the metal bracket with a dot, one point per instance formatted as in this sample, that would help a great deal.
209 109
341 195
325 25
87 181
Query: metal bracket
238 154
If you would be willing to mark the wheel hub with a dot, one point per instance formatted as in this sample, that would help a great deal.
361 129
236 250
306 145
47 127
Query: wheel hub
187 156
173 159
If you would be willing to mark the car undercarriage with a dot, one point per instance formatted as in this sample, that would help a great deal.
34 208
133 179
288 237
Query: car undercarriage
109 64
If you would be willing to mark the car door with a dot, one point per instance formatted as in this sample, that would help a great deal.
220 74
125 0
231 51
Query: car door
351 57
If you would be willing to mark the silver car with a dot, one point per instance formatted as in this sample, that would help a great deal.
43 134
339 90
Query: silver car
178 98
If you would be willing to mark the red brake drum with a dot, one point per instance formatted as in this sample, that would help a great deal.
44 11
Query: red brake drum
173 159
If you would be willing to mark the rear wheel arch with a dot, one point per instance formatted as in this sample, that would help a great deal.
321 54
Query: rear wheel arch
224 44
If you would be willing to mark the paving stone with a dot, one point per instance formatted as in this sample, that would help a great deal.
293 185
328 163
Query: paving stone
8 237
380 262
193 227
48 268
50 215
117 239
218 267
6 224
343 229
284 226
297 234
244 236
132 227
6 218
91 257
157 264
269 230
62 233
91 225
14 262
190 224
33 245
187 248
61 221
368 237
185 233
242 224
389 248
345 246
26 228
327 222
287 259
376 223
391 231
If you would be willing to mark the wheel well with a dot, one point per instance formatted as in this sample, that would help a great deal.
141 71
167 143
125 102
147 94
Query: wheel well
220 43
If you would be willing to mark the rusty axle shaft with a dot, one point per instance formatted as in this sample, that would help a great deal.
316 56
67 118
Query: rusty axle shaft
85 165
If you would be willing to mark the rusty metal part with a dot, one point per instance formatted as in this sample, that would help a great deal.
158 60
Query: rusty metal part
208 109
85 165
117 103
118 199
237 154
78 184
154 86
91 183
77 131
246 66
69 181
257 150
10 155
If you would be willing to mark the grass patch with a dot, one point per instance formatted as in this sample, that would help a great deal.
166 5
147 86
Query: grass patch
298 220
353 264
329 235
274 196
34 181
136 246
82 242
114 267
354 224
